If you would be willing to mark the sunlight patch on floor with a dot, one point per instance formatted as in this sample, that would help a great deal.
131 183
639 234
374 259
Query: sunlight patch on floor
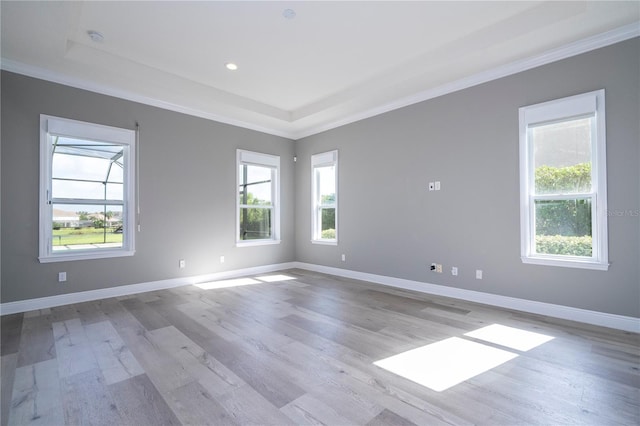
275 278
446 363
228 283
510 337
238 282
449 362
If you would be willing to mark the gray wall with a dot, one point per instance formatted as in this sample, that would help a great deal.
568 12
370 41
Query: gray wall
390 224
187 192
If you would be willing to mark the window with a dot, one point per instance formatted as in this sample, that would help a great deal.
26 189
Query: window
563 182
86 190
324 169
258 198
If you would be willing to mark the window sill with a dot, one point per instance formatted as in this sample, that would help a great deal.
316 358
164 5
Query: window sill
84 256
252 243
567 263
325 243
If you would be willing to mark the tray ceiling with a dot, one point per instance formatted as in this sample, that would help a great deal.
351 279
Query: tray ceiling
303 67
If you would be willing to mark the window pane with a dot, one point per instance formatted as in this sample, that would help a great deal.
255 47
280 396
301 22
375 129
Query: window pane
255 185
86 190
328 223
77 189
115 191
563 227
84 169
562 156
86 227
255 223
326 181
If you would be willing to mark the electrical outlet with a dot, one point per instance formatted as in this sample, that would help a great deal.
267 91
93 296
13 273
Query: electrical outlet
182 264
344 257
478 274
439 268
454 270
437 185
62 277
221 259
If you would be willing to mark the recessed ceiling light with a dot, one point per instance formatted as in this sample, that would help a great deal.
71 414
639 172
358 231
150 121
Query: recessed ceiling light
289 13
95 36
231 66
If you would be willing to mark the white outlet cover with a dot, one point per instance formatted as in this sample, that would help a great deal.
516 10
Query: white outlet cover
62 276
437 185
478 274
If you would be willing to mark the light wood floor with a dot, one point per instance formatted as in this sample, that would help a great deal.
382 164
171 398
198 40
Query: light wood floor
301 351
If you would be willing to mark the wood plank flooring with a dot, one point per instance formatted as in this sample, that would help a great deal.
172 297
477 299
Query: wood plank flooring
301 351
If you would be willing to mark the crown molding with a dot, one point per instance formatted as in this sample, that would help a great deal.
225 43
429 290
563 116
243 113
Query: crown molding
79 83
567 51
576 48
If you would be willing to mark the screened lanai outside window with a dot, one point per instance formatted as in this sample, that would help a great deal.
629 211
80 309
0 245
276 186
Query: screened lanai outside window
86 191
258 216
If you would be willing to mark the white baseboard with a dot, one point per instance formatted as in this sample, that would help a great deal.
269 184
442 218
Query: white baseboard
124 290
603 319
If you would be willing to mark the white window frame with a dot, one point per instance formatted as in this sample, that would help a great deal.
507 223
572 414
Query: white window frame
244 157
548 112
325 159
51 126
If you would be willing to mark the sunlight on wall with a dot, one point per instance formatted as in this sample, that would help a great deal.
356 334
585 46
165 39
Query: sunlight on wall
449 362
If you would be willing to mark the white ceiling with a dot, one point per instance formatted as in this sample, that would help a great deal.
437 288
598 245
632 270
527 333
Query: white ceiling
334 63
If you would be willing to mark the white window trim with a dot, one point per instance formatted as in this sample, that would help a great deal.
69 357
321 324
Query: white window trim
264 160
50 125
574 106
324 159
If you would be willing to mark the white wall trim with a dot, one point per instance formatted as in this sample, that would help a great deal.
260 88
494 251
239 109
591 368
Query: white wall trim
573 49
124 290
90 86
581 46
603 319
